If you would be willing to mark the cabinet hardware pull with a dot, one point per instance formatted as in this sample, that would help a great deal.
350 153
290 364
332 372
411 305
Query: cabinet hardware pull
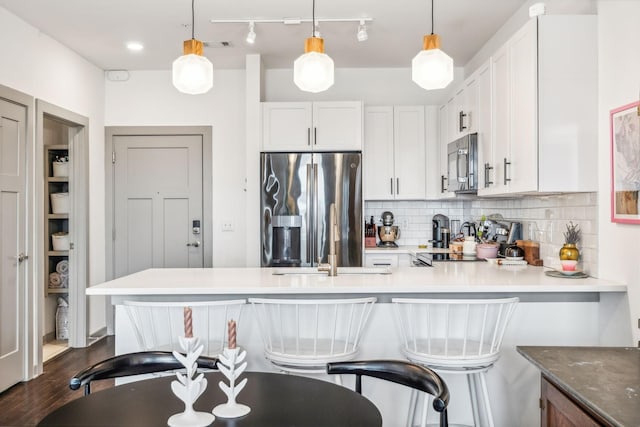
461 125
397 185
22 257
308 136
315 136
487 168
442 180
194 244
506 163
391 186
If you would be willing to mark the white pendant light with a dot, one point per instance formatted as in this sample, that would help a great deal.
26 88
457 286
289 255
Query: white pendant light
431 68
313 70
192 72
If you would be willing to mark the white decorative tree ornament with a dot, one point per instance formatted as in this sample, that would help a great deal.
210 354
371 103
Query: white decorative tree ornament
189 389
230 357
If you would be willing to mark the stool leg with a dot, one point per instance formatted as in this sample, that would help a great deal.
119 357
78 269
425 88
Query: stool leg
425 409
485 396
338 379
473 395
413 402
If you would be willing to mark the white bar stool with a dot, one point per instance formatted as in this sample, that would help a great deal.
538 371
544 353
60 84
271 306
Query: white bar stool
302 336
157 325
455 336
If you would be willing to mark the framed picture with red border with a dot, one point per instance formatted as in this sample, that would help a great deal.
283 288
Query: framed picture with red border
625 163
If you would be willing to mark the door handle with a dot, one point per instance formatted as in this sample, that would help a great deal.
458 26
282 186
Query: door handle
487 178
194 244
22 257
504 171
461 126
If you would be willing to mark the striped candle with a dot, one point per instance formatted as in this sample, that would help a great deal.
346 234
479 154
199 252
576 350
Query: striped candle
188 323
232 334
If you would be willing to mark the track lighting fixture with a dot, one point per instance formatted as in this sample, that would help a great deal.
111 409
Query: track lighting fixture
192 72
251 35
431 68
362 32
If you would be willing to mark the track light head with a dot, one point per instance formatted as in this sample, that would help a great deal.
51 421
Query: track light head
251 35
362 32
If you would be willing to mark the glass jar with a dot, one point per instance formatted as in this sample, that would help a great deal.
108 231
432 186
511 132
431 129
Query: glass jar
469 245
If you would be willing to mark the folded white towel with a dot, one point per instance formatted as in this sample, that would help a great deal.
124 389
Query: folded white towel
63 267
55 281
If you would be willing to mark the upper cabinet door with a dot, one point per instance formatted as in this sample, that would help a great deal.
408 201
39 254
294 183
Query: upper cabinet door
481 123
410 152
378 171
286 126
337 126
523 75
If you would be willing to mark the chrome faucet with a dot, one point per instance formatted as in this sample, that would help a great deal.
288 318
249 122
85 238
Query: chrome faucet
334 236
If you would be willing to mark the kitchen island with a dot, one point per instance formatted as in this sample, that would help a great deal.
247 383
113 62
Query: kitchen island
553 311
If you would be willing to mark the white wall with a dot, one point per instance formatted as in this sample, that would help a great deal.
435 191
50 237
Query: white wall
619 84
149 99
373 86
39 66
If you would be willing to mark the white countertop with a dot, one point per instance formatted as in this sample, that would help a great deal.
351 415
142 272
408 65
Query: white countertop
444 277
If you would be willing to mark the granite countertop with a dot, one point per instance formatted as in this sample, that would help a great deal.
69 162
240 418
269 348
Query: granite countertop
604 379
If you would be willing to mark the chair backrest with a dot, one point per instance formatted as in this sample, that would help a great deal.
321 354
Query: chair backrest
400 372
157 325
459 333
123 365
310 333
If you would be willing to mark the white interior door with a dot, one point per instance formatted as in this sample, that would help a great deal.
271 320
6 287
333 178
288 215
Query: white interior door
157 197
13 119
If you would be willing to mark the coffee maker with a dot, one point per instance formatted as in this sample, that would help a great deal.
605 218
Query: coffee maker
387 232
441 233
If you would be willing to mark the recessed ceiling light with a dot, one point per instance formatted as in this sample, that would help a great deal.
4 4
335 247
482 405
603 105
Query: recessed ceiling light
135 46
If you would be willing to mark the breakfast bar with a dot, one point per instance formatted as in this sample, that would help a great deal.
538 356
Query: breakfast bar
552 311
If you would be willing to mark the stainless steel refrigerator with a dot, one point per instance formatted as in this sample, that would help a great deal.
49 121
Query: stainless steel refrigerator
296 192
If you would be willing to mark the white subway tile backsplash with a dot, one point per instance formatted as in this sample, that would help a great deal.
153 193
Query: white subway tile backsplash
544 219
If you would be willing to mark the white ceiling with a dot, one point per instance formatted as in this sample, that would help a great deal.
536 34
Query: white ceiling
99 29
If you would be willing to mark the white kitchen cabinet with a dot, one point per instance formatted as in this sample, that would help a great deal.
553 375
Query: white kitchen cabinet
544 90
307 126
445 128
387 260
395 153
481 122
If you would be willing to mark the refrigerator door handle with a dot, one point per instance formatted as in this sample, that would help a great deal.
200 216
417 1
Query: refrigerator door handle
309 216
315 213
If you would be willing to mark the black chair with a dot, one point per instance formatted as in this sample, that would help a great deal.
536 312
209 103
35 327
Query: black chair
145 362
400 372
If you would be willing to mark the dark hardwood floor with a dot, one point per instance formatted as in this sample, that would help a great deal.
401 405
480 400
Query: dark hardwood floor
25 404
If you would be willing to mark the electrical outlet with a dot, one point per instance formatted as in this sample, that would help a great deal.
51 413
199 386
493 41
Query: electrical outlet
227 226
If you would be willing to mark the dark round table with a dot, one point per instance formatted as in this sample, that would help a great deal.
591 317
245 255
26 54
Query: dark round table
277 400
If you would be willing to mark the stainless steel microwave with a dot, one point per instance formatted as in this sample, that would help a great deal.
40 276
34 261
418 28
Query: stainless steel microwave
462 160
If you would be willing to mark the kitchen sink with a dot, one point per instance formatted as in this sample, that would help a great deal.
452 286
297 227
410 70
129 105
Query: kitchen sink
341 270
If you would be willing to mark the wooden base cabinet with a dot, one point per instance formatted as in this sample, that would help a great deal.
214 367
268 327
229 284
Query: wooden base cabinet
559 410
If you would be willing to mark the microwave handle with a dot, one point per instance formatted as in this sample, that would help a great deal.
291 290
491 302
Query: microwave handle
461 153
